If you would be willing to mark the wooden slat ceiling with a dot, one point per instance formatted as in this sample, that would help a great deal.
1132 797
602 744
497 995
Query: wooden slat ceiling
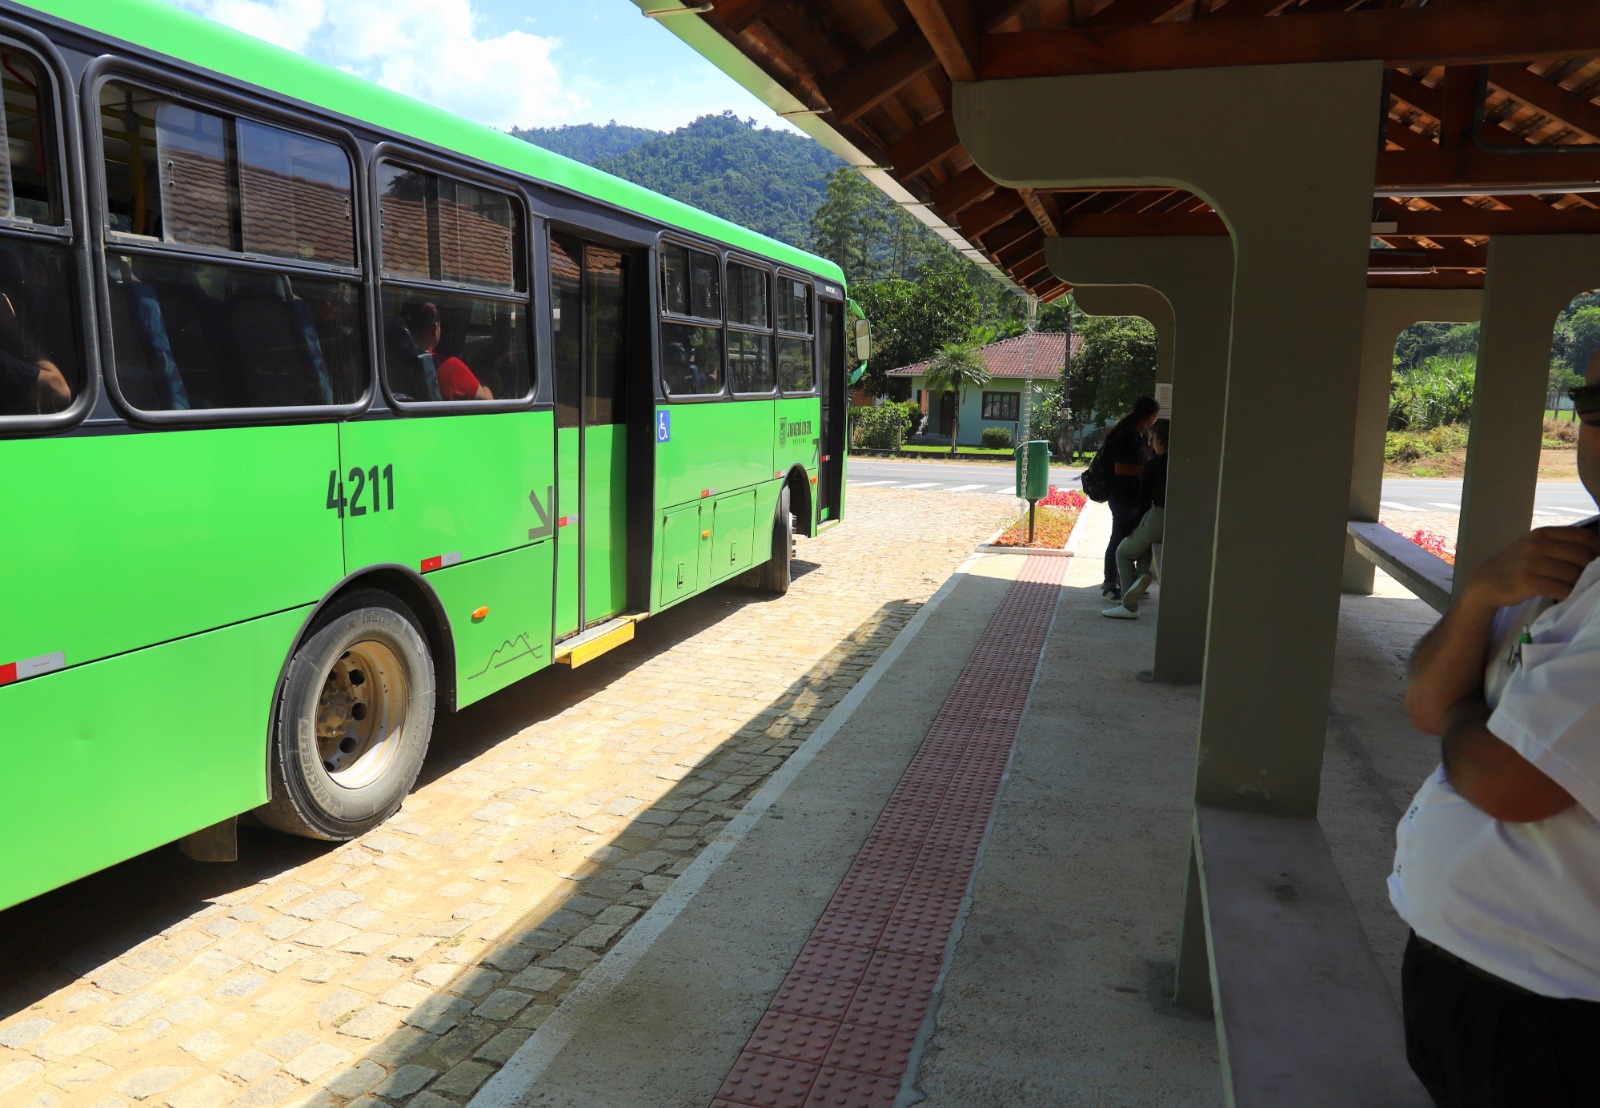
1492 123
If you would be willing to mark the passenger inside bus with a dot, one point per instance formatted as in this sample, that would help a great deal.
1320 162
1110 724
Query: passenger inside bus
456 381
31 388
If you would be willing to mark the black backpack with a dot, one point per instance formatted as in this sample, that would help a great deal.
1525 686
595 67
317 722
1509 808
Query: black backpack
1096 480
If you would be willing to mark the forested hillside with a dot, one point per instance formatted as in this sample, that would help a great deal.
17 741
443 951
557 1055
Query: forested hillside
589 143
770 181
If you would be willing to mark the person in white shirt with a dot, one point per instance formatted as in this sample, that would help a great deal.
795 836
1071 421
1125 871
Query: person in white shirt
1497 866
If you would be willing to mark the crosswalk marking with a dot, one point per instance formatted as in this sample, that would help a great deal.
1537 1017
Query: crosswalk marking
1395 505
1567 511
920 485
1447 507
966 488
863 483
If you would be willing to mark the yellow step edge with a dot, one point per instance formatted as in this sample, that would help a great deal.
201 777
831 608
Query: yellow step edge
592 646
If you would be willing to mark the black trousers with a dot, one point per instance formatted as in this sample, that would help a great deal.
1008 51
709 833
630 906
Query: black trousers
1479 1041
1125 516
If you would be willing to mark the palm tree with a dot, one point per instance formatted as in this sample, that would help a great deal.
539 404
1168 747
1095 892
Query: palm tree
956 368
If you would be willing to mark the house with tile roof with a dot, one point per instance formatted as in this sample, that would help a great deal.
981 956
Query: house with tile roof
1011 363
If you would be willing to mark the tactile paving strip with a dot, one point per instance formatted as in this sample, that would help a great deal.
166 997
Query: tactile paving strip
839 1031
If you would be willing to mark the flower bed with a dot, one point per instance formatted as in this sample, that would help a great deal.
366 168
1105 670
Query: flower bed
1431 541
1053 522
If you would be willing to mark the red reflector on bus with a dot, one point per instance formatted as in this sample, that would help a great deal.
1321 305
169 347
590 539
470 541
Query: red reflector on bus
827 457
707 492
778 474
8 673
564 520
433 563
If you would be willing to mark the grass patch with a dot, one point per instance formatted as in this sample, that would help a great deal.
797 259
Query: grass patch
961 452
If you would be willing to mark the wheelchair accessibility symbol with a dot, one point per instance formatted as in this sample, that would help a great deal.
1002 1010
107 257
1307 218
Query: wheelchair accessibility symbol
663 426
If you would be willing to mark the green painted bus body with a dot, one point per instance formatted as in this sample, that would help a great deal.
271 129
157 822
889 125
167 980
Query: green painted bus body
177 569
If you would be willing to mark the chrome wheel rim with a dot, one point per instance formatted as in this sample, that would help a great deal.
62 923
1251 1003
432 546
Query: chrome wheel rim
360 714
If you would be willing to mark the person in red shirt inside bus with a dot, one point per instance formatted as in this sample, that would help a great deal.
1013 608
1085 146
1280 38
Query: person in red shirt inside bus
456 381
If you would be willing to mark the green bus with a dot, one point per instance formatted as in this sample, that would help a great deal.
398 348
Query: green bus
323 411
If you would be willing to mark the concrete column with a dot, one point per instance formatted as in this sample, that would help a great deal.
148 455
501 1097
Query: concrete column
1300 223
1529 280
1196 276
1140 300
1389 311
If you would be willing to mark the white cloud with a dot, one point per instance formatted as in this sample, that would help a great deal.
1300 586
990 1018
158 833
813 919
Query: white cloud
429 49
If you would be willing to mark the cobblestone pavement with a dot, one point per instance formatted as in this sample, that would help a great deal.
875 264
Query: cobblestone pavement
404 967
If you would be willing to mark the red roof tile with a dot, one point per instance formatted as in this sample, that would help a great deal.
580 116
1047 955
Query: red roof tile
1009 357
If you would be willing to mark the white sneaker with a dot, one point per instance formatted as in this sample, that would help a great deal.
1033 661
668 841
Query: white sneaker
1138 589
1120 612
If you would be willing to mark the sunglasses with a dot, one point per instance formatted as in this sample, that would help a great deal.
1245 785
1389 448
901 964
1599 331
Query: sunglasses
1586 402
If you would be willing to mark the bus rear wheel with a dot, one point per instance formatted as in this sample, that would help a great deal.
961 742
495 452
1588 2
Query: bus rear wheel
774 579
353 722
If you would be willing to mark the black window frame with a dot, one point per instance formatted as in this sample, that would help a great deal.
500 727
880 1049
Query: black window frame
214 97
1009 399
663 316
70 235
770 330
523 243
782 274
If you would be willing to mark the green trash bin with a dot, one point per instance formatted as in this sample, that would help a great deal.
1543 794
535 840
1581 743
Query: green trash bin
1033 470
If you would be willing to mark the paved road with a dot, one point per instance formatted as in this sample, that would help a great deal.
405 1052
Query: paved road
1554 499
405 967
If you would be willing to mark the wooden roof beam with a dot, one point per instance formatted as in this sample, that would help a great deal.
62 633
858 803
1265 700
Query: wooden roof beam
1409 90
1019 251
952 33
1009 233
1042 208
1449 257
1125 12
1028 266
1421 172
738 15
1455 221
877 74
1247 9
928 144
1575 111
986 215
963 190
1430 36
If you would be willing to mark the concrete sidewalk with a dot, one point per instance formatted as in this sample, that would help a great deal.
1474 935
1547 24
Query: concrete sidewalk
1056 988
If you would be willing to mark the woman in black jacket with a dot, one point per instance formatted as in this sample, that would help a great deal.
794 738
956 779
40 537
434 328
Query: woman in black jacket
1124 445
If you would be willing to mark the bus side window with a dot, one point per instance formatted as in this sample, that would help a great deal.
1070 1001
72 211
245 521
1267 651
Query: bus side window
455 297
750 331
220 333
41 364
691 347
796 365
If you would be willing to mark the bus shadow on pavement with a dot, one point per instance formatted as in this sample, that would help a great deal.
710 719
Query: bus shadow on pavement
493 983
72 935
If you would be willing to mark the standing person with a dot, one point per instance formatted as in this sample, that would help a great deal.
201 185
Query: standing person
456 381
1497 861
1133 553
1125 444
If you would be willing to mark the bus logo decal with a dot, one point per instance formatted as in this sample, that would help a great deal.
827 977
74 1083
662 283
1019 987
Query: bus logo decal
32 667
663 426
498 658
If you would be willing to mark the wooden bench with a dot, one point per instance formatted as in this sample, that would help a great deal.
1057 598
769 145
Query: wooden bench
1427 575
1304 1016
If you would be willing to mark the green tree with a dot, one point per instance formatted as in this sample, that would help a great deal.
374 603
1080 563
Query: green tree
1584 327
1114 367
1437 392
911 320
850 223
956 368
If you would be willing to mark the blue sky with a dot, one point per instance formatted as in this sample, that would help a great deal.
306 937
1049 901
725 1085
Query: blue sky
530 63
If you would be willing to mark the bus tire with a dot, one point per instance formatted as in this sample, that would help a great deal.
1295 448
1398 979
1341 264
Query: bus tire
774 579
353 721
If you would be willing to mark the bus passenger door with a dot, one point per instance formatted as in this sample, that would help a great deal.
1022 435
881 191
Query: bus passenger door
830 468
589 293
